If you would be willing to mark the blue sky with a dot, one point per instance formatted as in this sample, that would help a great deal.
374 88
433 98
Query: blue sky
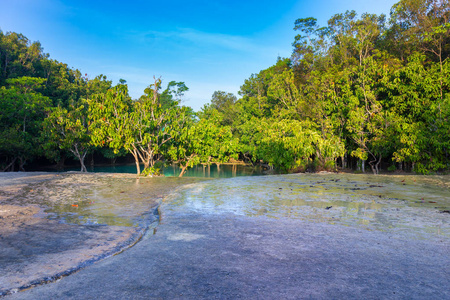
210 45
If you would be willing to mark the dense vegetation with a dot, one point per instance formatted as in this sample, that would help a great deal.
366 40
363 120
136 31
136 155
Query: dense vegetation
359 90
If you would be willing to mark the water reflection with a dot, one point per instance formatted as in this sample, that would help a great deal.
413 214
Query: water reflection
95 199
373 202
417 203
215 171
203 171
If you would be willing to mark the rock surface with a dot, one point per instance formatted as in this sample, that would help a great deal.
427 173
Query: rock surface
228 256
207 253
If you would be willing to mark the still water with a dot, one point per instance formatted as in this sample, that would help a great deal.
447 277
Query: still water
418 205
100 198
211 171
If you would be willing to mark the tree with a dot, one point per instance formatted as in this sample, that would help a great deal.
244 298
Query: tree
22 110
224 102
221 100
172 94
143 128
423 25
205 141
18 56
284 144
68 129
110 121
283 90
422 125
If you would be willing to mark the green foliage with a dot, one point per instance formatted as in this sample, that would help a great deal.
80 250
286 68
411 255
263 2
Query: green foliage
18 56
222 106
353 92
151 171
288 144
22 110
172 94
284 144
361 89
392 168
68 129
143 128
205 141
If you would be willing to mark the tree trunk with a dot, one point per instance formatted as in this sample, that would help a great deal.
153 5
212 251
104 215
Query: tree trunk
374 171
83 167
373 166
146 165
10 166
80 157
60 163
183 170
377 164
22 162
136 160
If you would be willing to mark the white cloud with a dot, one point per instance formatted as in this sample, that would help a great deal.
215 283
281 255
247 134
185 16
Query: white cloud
187 37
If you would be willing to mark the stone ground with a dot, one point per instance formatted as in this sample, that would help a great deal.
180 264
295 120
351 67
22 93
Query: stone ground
34 249
194 256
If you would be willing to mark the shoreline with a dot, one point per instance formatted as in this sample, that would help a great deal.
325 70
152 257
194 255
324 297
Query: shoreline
40 238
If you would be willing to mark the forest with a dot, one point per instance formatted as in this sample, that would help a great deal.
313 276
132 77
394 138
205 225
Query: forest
362 92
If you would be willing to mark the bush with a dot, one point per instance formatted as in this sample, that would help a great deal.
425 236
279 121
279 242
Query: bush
392 168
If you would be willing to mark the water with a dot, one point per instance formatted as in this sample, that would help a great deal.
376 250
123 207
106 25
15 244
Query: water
86 217
403 202
100 199
212 171
415 204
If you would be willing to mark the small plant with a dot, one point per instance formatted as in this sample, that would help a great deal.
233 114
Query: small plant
152 171
330 165
392 168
